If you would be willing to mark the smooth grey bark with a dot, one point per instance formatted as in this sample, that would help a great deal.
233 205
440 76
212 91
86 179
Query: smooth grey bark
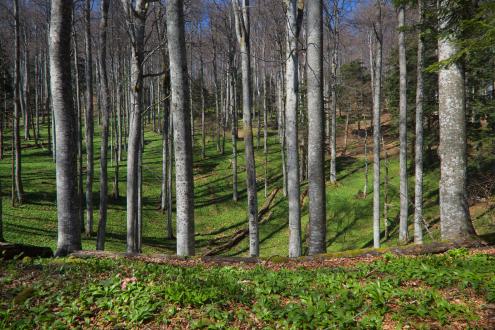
26 108
201 81
366 167
241 13
136 19
69 221
291 129
333 105
17 107
234 131
404 199
105 109
89 123
182 128
316 129
377 126
455 221
80 189
418 187
265 128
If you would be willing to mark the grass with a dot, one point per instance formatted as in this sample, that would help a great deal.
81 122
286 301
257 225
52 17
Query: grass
444 291
216 215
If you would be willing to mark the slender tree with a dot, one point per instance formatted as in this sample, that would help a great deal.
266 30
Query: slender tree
241 13
377 87
69 221
294 16
404 201
418 187
136 19
182 128
105 109
316 129
17 107
89 122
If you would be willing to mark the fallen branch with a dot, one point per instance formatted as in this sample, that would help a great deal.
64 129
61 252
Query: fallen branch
239 235
11 250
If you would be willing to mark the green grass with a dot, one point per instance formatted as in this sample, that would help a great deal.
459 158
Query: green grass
424 292
216 215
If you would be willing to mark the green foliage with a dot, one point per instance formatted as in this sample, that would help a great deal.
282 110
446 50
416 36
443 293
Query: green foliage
401 289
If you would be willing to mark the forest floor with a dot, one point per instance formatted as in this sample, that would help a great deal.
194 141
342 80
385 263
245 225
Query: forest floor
454 290
218 218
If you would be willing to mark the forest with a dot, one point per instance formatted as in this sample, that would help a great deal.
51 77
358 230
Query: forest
245 164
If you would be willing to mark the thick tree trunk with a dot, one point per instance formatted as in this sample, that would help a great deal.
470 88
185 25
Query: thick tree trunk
404 201
182 128
17 107
69 221
241 13
316 130
418 187
89 124
291 129
455 222
105 108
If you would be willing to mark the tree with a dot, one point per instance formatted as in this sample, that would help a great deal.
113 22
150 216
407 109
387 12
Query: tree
294 17
69 221
333 106
418 186
455 222
316 129
241 13
89 123
404 201
377 87
105 109
136 20
182 128
17 107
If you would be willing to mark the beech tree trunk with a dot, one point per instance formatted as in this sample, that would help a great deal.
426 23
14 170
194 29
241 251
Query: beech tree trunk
241 13
418 187
182 128
17 107
136 17
291 129
69 221
455 221
105 109
404 201
377 128
316 129
89 123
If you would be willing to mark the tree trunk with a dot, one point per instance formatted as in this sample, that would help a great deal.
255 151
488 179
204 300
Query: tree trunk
333 106
233 114
455 221
136 24
418 187
291 129
182 128
105 107
241 14
376 129
316 130
404 200
203 144
17 107
69 221
89 124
